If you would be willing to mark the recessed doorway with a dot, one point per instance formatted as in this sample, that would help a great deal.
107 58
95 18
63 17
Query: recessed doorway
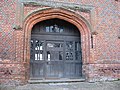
55 50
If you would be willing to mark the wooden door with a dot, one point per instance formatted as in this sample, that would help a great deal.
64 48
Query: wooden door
55 50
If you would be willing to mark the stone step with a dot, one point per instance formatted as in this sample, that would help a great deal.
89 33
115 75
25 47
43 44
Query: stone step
56 81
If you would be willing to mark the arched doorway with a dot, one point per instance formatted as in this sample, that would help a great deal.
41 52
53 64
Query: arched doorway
63 14
55 50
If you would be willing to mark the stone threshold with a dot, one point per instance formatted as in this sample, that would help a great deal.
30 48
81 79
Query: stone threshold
35 81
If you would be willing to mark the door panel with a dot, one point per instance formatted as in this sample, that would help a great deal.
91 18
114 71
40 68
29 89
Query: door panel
54 69
54 61
37 62
38 70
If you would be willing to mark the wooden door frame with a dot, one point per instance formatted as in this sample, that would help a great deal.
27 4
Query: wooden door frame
60 13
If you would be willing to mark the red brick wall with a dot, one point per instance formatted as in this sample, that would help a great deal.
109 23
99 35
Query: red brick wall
11 65
105 54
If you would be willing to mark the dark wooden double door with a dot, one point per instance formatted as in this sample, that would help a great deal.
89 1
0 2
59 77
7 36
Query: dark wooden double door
55 56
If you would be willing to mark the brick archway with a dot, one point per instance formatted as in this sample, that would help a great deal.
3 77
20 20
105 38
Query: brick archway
73 18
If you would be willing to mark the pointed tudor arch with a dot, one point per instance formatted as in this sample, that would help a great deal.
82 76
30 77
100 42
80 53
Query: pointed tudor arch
60 13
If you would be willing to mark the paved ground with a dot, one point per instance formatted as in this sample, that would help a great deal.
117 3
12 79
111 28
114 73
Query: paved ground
114 85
